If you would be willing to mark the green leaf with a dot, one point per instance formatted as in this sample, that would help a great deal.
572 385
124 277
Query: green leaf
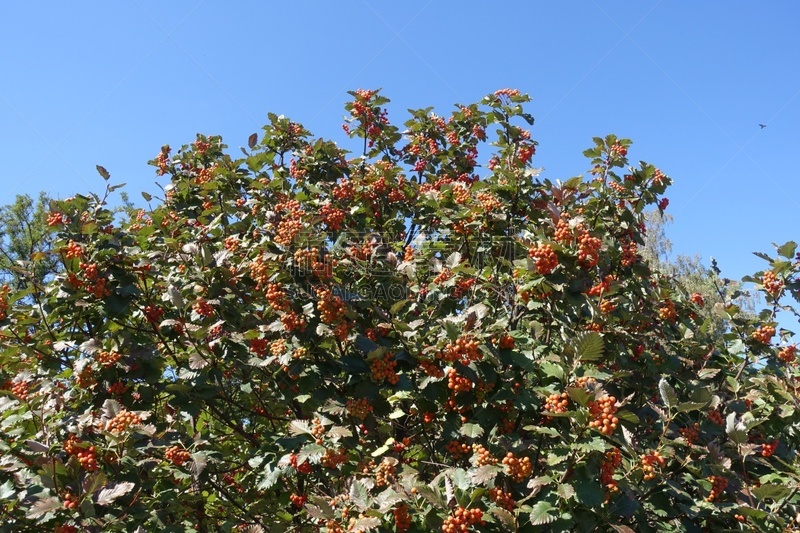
771 491
472 431
551 369
788 250
579 395
667 393
103 172
735 431
588 346
543 513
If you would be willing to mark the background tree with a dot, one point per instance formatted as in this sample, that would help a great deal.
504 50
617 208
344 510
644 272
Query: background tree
693 276
26 242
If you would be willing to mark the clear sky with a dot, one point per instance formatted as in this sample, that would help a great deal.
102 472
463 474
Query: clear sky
86 83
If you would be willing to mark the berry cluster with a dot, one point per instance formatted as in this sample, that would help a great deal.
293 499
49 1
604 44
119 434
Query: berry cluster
601 288
715 417
718 486
545 258
20 390
55 219
153 314
117 388
608 467
690 433
402 520
557 403
585 381
87 455
649 463
443 276
519 469
771 283
358 409
334 458
298 500
292 321
630 255
384 369
465 350
667 311
277 347
607 307
73 250
602 412
768 449
86 378
506 342
107 359
203 308
563 234
764 334
457 449
788 354
259 346
276 297
386 472
461 520
697 299
70 501
588 249
482 456
462 287
123 421
489 202
501 498
177 455
303 468
331 307
291 224
458 383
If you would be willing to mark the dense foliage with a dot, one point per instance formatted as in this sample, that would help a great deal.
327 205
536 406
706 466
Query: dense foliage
425 337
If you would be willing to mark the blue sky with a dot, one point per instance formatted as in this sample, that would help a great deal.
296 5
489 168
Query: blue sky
108 83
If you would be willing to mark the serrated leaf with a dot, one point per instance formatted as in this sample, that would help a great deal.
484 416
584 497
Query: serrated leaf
252 140
565 491
485 473
504 517
365 524
588 346
300 427
359 494
36 447
199 463
552 370
579 395
103 172
107 496
42 507
667 393
311 452
197 362
337 432
542 513
473 431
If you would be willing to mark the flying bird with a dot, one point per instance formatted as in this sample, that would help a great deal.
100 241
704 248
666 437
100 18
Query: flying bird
763 126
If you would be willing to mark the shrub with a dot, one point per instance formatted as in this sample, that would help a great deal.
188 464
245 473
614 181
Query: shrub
424 337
